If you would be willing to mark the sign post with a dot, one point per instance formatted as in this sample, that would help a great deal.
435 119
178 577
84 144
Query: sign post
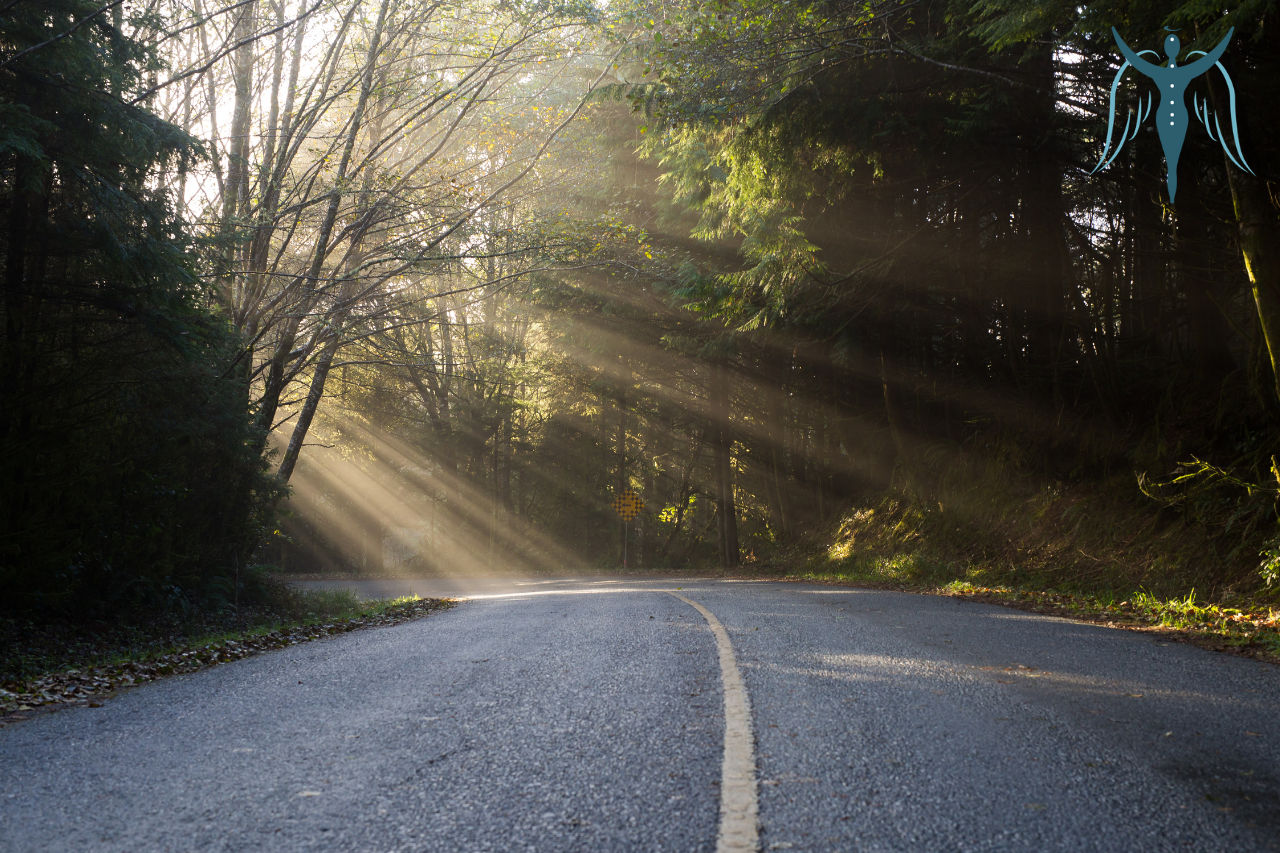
627 505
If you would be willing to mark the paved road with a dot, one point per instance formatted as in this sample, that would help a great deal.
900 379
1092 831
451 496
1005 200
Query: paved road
589 715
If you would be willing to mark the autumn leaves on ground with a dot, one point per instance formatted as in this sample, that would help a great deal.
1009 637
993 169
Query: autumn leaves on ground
53 663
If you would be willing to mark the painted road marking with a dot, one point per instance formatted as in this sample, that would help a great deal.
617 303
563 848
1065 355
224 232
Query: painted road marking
738 808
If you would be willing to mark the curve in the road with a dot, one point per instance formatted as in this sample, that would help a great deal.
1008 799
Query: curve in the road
739 832
580 716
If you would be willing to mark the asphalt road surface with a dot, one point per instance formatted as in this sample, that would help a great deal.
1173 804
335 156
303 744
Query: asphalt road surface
591 715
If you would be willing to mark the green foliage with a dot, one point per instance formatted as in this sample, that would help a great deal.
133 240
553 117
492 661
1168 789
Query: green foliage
1270 568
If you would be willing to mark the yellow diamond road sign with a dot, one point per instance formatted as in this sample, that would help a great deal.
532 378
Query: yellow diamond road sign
628 505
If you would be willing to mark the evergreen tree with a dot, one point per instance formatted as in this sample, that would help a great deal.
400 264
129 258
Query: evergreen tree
124 470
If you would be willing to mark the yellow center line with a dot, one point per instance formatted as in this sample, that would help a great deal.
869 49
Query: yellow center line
738 808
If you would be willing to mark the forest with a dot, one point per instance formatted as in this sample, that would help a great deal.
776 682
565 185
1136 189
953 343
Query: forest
424 286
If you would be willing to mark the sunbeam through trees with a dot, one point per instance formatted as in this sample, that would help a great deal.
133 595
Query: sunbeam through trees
406 287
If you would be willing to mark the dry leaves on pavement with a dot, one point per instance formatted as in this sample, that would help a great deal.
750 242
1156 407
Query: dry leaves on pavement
92 685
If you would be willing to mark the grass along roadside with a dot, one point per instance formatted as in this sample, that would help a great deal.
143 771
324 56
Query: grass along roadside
1252 630
92 666
1074 553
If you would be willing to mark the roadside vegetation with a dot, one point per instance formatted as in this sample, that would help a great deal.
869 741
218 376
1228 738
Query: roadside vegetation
34 646
1160 582
53 663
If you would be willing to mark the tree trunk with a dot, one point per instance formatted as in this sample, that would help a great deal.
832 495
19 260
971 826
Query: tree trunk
621 457
1148 265
725 506
236 190
1210 353
319 375
504 482
644 544
683 493
13 363
1259 236
375 557
1043 221
820 459
777 473
891 411
1260 246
